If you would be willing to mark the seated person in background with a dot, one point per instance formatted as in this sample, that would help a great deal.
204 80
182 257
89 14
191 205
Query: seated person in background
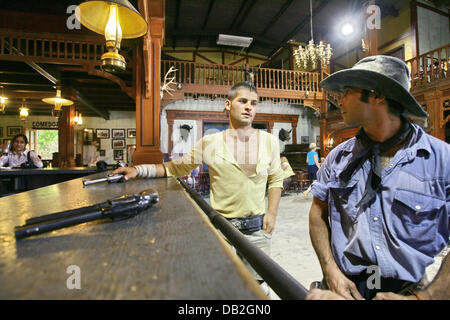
18 156
288 175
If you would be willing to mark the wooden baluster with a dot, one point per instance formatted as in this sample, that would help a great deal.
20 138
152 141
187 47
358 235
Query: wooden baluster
27 49
50 49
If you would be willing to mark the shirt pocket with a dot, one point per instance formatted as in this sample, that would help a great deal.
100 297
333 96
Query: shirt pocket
344 199
415 217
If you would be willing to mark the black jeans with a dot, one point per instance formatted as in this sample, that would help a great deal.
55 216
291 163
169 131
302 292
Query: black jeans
386 285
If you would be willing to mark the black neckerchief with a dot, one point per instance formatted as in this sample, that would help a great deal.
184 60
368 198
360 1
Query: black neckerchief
372 152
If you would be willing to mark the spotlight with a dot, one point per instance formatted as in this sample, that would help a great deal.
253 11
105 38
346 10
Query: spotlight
347 29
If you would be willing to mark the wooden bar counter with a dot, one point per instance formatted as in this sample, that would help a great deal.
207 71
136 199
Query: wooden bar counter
170 251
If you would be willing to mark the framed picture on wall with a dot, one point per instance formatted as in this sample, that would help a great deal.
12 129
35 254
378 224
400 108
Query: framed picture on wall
1 131
88 135
318 141
12 131
118 143
6 141
118 133
102 153
102 133
305 139
131 133
118 154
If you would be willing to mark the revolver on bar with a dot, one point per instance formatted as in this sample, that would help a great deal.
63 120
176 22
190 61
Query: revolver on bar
110 178
116 209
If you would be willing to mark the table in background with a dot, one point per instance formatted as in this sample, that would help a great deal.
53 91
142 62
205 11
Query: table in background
19 180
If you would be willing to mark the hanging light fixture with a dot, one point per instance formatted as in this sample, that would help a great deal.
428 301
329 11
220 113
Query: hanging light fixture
57 102
77 120
311 53
23 111
116 19
3 102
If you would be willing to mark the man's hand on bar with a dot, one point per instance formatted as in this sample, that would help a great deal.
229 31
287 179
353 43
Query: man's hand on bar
128 172
318 294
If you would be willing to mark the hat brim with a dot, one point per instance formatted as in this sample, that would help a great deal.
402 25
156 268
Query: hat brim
371 80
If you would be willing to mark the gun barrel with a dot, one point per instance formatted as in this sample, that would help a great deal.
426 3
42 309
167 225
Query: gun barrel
87 182
109 178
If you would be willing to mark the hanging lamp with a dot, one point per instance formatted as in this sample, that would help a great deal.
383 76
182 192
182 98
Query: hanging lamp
116 19
23 111
57 103
3 101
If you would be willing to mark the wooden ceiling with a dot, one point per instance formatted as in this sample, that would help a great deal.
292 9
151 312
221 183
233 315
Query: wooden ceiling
189 23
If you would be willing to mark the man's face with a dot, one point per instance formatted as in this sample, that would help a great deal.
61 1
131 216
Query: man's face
19 144
353 110
243 108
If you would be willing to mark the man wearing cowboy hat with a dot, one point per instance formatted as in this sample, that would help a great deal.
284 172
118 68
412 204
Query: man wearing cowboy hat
381 206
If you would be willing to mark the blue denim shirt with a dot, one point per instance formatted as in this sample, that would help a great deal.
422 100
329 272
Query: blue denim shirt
406 225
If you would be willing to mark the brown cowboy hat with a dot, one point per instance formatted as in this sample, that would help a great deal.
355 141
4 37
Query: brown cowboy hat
385 75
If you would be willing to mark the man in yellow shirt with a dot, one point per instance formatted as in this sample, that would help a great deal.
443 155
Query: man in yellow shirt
241 161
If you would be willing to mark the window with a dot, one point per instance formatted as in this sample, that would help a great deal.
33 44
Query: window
43 142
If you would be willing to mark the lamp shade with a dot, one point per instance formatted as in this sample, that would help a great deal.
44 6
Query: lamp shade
57 100
94 15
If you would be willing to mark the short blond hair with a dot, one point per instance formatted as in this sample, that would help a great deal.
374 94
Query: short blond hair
312 145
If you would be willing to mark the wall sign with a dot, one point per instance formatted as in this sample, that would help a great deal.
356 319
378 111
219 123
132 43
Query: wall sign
44 125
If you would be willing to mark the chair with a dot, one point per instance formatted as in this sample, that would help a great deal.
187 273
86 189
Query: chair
203 183
302 179
294 184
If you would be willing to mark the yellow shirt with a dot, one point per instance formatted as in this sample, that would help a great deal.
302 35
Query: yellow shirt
288 171
233 193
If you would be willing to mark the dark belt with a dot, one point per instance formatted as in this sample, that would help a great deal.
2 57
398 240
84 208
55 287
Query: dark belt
250 224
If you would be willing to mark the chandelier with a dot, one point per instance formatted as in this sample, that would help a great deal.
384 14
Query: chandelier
312 53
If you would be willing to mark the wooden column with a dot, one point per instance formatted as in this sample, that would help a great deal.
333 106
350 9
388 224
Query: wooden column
434 109
371 36
270 127
294 132
66 136
323 127
414 31
170 123
148 69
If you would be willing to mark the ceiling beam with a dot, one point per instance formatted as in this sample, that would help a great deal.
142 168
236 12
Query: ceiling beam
241 9
101 113
46 74
205 21
243 15
175 23
302 23
273 21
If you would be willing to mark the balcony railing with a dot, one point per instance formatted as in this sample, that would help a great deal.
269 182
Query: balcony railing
430 67
226 75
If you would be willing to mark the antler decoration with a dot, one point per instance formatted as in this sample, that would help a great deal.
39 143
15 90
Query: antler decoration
166 86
